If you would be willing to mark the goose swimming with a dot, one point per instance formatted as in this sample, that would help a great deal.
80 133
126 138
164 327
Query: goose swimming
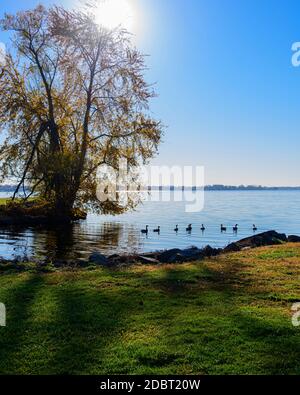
189 228
145 231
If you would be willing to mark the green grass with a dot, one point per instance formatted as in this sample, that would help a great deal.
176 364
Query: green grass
3 201
7 199
226 315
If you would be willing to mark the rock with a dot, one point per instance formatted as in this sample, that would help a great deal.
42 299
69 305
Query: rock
294 239
176 255
147 260
113 256
209 251
151 254
60 263
232 247
262 239
168 255
99 259
192 253
177 258
81 263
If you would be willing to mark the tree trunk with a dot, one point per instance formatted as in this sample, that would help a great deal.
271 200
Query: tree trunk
63 209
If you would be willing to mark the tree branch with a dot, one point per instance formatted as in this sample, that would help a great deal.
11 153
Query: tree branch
41 132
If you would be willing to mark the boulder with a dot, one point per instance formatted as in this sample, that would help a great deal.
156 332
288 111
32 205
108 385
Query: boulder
294 239
176 255
99 259
232 247
147 260
208 251
81 263
177 258
192 253
113 257
168 256
150 254
262 239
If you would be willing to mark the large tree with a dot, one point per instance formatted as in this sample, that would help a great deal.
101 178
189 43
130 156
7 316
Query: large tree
72 97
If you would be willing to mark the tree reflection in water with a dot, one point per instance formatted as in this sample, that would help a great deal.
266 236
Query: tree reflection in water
74 241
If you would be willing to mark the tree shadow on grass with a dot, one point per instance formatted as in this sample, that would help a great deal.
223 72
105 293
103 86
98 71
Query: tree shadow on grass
273 343
177 320
113 328
214 315
18 301
87 324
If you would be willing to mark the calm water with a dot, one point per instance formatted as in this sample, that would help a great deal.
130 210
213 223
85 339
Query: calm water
279 210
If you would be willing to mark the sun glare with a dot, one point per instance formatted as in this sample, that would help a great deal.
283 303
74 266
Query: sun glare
115 13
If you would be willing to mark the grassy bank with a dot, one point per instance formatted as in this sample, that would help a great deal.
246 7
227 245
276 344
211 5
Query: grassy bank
225 315
4 201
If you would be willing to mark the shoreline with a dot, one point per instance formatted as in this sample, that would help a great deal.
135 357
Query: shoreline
169 256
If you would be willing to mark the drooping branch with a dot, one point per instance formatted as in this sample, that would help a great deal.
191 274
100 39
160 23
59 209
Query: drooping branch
34 188
43 128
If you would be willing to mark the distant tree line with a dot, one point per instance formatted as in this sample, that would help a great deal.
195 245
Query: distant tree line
221 187
215 187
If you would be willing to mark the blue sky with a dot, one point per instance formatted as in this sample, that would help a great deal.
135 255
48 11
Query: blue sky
228 92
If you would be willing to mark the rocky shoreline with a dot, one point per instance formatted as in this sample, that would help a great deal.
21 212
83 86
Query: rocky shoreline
174 255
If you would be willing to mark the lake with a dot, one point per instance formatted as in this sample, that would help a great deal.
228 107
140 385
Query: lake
278 210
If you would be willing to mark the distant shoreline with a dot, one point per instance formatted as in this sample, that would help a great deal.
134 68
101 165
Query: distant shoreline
223 188
215 187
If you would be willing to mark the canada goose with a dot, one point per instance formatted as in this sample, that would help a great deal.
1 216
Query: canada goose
145 231
176 229
235 228
254 228
202 228
157 230
189 228
223 228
